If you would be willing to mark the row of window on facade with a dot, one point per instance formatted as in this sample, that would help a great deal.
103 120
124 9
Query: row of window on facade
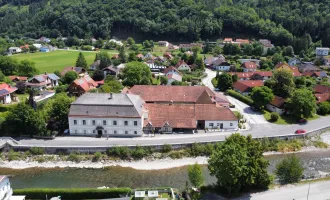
104 131
218 124
114 123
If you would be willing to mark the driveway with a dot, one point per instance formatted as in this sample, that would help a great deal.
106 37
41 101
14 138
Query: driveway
251 116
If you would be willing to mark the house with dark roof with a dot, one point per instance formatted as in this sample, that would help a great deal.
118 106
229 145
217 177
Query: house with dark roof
245 87
81 86
79 70
294 61
43 81
319 74
110 70
18 78
276 105
308 67
7 93
104 115
249 66
95 65
220 64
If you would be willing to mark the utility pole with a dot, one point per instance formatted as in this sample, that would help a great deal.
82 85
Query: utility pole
309 186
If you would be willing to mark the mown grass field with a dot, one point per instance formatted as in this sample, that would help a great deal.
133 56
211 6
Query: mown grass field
55 60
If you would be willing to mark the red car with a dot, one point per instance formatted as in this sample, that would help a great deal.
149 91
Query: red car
300 131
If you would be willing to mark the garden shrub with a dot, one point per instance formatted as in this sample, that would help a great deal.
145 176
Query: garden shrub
274 116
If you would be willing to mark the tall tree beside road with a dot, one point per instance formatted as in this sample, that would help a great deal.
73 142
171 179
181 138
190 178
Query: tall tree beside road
136 73
239 164
303 103
225 81
195 174
284 83
81 61
289 170
261 96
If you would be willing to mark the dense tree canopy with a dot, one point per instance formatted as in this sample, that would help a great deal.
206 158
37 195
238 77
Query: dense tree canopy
303 103
261 96
225 81
136 73
289 170
283 83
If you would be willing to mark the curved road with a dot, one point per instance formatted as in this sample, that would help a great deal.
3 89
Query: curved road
259 128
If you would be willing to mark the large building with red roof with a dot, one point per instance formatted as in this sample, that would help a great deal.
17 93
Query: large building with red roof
6 93
81 86
245 87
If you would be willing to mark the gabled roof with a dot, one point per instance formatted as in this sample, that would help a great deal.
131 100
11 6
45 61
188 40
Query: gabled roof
264 73
167 93
78 70
249 65
243 41
18 78
86 83
228 40
53 76
96 63
294 70
219 61
321 89
111 68
175 77
322 97
140 55
308 67
170 69
277 101
243 86
181 62
6 89
242 74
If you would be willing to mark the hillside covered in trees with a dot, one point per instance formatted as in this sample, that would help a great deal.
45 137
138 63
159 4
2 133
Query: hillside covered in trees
282 21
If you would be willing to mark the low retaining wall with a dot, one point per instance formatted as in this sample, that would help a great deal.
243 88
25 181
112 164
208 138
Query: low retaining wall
92 149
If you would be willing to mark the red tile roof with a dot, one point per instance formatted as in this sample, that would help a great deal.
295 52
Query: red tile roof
277 101
18 78
294 70
86 83
167 93
139 55
181 62
6 89
264 73
228 40
321 89
170 69
307 73
250 65
160 114
242 74
322 97
243 41
243 86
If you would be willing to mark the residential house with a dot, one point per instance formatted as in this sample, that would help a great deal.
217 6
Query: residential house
172 70
44 39
264 74
294 61
79 70
189 46
95 65
154 67
322 97
249 66
168 55
163 43
110 70
276 105
13 50
44 49
321 52
242 41
148 56
103 115
308 67
209 60
220 65
173 47
182 66
321 89
285 66
26 46
267 45
173 77
117 42
319 75
81 86
256 61
242 75
6 192
228 40
7 93
43 81
245 87
140 56
322 93
18 78
37 45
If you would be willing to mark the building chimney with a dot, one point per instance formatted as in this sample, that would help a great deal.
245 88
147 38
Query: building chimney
110 95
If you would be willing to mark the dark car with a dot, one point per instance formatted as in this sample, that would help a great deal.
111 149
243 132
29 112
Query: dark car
302 121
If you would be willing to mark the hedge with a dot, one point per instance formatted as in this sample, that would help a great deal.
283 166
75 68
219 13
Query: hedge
240 97
72 193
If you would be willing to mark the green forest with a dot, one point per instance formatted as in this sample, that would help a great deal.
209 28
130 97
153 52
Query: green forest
294 22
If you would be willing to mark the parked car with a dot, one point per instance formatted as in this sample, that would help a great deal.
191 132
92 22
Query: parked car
300 131
302 121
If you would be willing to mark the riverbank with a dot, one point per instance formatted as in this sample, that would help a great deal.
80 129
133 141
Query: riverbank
143 164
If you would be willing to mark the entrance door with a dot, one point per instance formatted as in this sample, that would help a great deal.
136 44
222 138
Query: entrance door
99 133
221 126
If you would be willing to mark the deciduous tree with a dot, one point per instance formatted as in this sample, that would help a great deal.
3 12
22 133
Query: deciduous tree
284 83
261 96
195 174
136 73
303 103
289 170
224 81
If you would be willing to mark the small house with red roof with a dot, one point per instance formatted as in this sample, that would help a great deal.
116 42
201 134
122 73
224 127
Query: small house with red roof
322 97
82 85
18 78
276 105
173 77
172 70
285 66
79 70
249 66
7 93
168 55
228 40
245 87
183 66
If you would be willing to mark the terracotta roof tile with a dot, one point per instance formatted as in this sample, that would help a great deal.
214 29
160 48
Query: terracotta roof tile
250 65
322 97
18 78
321 89
243 86
170 69
277 101
242 74
264 73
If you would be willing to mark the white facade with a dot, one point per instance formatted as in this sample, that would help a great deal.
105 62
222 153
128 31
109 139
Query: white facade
184 67
6 99
15 50
172 72
222 68
37 45
121 127
221 124
322 51
6 193
275 109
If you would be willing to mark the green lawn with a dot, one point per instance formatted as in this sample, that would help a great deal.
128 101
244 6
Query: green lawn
284 119
55 60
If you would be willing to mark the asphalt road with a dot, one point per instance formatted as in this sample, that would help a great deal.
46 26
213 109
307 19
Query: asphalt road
317 191
259 128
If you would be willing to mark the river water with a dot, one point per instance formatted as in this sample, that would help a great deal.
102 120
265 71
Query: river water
314 162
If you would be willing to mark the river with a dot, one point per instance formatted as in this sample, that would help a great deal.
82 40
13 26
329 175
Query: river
313 162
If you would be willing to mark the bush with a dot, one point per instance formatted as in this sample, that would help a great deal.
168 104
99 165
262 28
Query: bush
196 149
240 97
141 152
12 155
73 193
176 154
119 152
37 150
324 108
289 170
274 116
289 146
166 148
97 156
73 157
320 144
